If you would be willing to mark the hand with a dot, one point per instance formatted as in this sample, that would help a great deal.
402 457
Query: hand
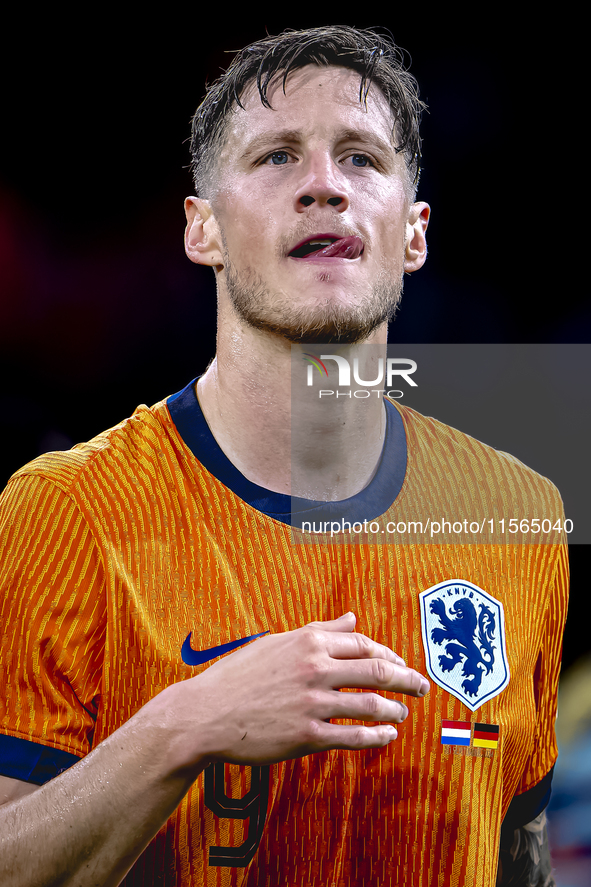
273 699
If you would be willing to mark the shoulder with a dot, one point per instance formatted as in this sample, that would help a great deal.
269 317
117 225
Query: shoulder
127 449
462 459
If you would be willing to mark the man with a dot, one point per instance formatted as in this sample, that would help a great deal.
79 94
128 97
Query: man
133 562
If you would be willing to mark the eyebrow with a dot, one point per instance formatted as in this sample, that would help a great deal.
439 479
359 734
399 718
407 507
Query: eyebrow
285 136
271 135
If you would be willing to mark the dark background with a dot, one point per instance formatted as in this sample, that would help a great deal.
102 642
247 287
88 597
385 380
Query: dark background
99 307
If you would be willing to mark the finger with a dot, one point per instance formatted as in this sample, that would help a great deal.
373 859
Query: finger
346 622
378 674
357 736
366 707
359 646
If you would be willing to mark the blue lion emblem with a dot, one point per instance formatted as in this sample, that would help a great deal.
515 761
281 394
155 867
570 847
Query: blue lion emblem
468 637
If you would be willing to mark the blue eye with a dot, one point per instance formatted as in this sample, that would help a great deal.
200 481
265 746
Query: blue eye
360 160
278 158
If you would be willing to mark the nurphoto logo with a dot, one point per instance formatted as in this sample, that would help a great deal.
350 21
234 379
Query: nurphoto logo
386 371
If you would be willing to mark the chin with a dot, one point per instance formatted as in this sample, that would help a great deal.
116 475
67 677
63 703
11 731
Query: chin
333 321
331 327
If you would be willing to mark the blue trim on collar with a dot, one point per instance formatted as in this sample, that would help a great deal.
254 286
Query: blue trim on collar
369 504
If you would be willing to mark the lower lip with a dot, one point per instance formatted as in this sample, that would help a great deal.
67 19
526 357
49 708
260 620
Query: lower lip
317 259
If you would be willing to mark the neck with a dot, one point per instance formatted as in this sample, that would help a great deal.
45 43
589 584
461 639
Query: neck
277 430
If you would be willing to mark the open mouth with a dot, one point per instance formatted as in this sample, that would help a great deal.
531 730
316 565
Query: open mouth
329 247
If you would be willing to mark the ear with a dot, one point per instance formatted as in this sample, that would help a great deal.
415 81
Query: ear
415 249
202 235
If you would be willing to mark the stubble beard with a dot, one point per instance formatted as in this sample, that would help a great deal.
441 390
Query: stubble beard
327 323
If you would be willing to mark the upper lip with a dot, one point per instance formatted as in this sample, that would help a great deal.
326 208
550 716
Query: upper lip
329 236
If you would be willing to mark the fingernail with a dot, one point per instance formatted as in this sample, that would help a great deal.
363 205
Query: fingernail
425 686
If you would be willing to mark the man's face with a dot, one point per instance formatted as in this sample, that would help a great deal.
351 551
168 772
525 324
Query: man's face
317 166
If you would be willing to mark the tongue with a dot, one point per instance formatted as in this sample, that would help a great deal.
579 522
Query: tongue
345 248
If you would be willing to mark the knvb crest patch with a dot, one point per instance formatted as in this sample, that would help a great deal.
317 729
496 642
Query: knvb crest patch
464 639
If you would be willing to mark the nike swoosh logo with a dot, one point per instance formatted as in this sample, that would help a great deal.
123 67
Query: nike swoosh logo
198 657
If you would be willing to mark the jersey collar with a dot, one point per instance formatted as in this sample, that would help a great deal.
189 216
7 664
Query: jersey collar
370 503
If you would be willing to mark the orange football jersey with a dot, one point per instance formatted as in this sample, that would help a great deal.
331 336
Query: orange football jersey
127 560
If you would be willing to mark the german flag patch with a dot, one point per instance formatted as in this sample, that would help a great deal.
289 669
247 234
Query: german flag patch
485 736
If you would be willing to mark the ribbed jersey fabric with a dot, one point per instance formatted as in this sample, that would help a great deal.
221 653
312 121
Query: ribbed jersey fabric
117 550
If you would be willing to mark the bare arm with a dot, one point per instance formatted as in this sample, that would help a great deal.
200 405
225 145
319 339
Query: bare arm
268 702
526 862
89 825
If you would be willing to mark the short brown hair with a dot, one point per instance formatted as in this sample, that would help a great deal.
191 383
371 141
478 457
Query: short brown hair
375 56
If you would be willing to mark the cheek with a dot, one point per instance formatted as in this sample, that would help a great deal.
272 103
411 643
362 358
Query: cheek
390 237
237 223
247 204
384 210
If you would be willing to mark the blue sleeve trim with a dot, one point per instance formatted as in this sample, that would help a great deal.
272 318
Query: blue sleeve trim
32 762
525 807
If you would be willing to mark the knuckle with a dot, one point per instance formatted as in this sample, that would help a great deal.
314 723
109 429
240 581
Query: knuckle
359 737
373 704
313 663
313 670
315 626
309 682
309 630
365 645
313 702
311 734
311 638
382 672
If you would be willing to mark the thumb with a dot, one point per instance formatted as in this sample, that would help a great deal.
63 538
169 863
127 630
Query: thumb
346 622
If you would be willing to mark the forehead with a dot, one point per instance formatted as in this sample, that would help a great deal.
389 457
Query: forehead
317 102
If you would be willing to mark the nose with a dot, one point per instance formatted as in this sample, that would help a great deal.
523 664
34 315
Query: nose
321 184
